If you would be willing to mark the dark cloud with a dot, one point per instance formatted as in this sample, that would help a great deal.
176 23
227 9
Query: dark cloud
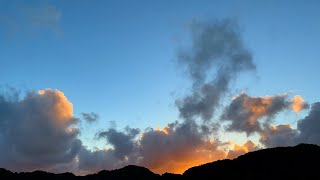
90 117
90 161
38 131
124 151
281 135
122 142
216 46
308 131
248 114
309 127
244 112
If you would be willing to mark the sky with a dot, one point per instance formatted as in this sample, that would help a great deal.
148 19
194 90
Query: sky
111 79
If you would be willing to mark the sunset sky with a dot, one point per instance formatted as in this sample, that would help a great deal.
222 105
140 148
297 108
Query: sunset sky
92 85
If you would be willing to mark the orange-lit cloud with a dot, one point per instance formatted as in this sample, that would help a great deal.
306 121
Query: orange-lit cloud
247 113
59 107
257 108
176 148
41 128
165 130
240 150
298 104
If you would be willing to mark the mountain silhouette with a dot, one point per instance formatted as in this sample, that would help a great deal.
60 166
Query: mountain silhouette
298 162
301 161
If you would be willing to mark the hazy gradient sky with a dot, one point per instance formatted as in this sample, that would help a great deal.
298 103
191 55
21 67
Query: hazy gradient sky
118 58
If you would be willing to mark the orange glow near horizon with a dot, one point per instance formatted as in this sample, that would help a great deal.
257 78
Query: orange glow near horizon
182 163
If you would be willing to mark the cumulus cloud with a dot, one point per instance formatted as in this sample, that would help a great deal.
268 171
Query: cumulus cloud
284 135
178 147
38 131
248 114
309 127
173 148
216 46
239 150
90 117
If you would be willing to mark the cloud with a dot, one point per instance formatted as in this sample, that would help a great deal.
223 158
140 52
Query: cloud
124 151
91 161
298 104
38 131
216 46
309 127
281 135
180 146
45 15
308 131
173 148
239 150
30 16
122 142
90 117
248 114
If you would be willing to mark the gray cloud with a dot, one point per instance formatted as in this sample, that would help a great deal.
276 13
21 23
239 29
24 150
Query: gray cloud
248 114
38 131
124 151
308 131
216 46
173 148
281 135
122 142
309 127
90 117
97 160
178 147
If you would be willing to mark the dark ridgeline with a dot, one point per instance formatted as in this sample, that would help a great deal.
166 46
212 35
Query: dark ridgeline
299 162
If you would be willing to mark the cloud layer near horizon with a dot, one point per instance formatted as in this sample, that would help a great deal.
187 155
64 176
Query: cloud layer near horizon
39 131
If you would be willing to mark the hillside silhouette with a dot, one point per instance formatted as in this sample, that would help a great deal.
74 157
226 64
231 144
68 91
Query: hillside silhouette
298 162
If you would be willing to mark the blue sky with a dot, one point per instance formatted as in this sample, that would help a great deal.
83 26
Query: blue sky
117 58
